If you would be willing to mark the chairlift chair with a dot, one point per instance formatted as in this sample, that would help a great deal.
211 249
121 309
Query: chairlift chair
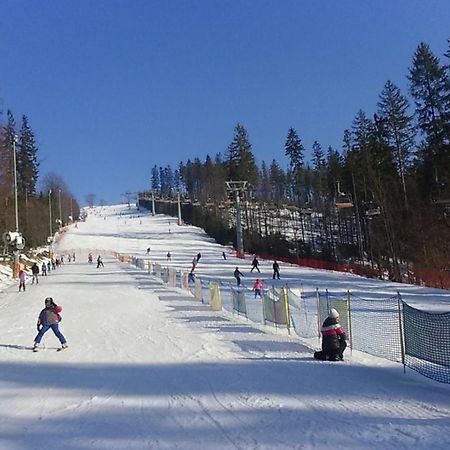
344 200
371 209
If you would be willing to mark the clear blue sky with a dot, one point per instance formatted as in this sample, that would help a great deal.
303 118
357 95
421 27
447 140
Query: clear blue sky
113 87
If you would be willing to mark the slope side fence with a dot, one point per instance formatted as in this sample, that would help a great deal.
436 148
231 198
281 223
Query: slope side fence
427 343
388 328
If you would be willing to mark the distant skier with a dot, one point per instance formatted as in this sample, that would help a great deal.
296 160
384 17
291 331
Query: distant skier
169 256
238 275
90 258
44 269
22 280
100 262
224 256
333 339
191 277
255 264
199 255
49 318
276 270
258 287
49 266
148 251
35 272
73 256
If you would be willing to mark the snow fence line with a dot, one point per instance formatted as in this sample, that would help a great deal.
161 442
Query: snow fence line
398 332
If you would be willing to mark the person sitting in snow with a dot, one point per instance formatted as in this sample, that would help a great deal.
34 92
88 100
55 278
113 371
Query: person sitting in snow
333 339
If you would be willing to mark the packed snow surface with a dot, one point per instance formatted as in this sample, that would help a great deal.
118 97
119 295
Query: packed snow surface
150 368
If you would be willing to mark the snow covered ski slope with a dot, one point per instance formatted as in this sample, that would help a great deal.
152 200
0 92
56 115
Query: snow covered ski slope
149 368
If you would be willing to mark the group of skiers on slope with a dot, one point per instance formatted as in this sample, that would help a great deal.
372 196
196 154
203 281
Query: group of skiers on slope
99 260
333 333
258 284
46 268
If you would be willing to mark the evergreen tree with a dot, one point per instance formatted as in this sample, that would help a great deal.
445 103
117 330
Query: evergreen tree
6 156
397 128
318 156
277 179
319 174
155 182
162 181
429 86
294 150
27 164
168 178
240 159
264 183
334 169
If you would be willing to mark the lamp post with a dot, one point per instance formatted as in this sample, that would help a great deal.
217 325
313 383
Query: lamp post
50 211
179 209
16 250
153 203
14 140
60 214
50 238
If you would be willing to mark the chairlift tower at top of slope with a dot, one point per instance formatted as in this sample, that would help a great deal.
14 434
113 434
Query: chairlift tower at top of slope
238 188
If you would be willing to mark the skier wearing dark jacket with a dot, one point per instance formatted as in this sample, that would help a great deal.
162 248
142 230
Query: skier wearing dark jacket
35 272
49 318
237 274
333 339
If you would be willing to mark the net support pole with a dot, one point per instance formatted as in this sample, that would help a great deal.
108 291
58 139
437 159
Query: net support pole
402 343
318 312
286 306
350 331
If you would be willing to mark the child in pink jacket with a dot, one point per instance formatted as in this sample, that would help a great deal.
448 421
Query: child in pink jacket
22 279
258 287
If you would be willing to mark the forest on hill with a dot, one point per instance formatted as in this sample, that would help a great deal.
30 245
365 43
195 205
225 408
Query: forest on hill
39 212
382 199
